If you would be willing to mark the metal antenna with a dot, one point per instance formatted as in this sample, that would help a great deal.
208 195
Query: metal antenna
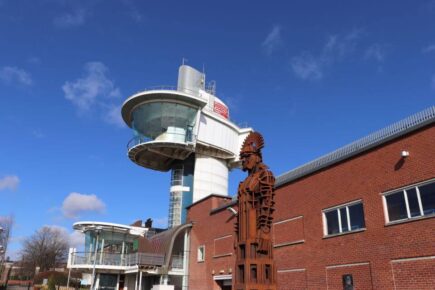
184 60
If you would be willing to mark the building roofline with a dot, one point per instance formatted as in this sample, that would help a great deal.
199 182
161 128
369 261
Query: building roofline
208 196
391 132
105 226
224 206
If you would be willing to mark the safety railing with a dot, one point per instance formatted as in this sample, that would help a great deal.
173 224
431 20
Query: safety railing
107 259
208 89
186 137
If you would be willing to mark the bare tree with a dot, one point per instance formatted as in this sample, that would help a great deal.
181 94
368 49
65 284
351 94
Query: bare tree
6 223
47 248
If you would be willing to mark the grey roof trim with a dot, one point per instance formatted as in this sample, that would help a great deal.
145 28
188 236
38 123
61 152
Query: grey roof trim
224 206
377 138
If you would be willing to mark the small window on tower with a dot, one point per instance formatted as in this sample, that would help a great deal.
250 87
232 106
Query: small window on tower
201 253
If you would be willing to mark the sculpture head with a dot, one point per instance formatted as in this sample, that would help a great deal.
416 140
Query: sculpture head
250 154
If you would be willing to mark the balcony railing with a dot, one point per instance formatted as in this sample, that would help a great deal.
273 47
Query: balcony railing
105 259
186 137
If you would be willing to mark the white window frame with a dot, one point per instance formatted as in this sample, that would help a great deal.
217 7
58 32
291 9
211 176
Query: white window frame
340 227
405 195
201 253
177 170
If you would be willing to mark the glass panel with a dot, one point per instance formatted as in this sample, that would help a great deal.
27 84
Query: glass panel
332 222
414 208
163 121
427 195
108 281
343 216
356 213
396 206
177 176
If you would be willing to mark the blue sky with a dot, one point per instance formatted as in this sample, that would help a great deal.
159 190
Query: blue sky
310 75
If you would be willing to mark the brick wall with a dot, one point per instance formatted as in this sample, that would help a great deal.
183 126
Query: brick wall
312 261
414 273
293 279
214 231
364 178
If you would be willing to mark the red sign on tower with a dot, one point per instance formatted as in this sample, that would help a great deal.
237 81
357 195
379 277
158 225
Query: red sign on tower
221 109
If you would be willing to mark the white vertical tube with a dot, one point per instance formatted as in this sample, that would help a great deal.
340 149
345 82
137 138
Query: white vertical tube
186 253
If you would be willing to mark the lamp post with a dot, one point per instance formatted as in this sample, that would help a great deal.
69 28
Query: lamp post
97 231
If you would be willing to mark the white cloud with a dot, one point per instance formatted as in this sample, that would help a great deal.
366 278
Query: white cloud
11 74
76 203
375 52
273 40
75 239
306 67
37 133
429 48
85 92
113 116
336 48
77 18
10 182
136 16
340 46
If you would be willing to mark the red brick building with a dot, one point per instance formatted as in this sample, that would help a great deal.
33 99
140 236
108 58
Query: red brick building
361 215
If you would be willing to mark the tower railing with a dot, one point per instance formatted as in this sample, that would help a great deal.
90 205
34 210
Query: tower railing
137 140
208 89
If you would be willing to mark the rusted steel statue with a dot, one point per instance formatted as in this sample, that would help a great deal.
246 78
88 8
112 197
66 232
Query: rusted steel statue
253 245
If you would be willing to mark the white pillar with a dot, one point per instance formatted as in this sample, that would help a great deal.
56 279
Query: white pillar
140 280
135 283
122 253
102 249
186 253
117 283
97 283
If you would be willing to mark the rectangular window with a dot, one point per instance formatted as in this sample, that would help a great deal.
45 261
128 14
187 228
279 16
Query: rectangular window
410 202
344 218
201 253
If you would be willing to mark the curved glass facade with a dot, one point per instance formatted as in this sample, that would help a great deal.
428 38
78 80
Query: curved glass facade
109 242
164 121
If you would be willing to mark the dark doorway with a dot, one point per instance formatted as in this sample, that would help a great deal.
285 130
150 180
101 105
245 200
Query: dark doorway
225 284
121 282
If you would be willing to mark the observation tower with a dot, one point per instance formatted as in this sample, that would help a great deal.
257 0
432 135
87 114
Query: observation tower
185 130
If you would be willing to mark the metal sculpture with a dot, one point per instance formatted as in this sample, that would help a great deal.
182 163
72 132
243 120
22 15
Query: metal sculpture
253 244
